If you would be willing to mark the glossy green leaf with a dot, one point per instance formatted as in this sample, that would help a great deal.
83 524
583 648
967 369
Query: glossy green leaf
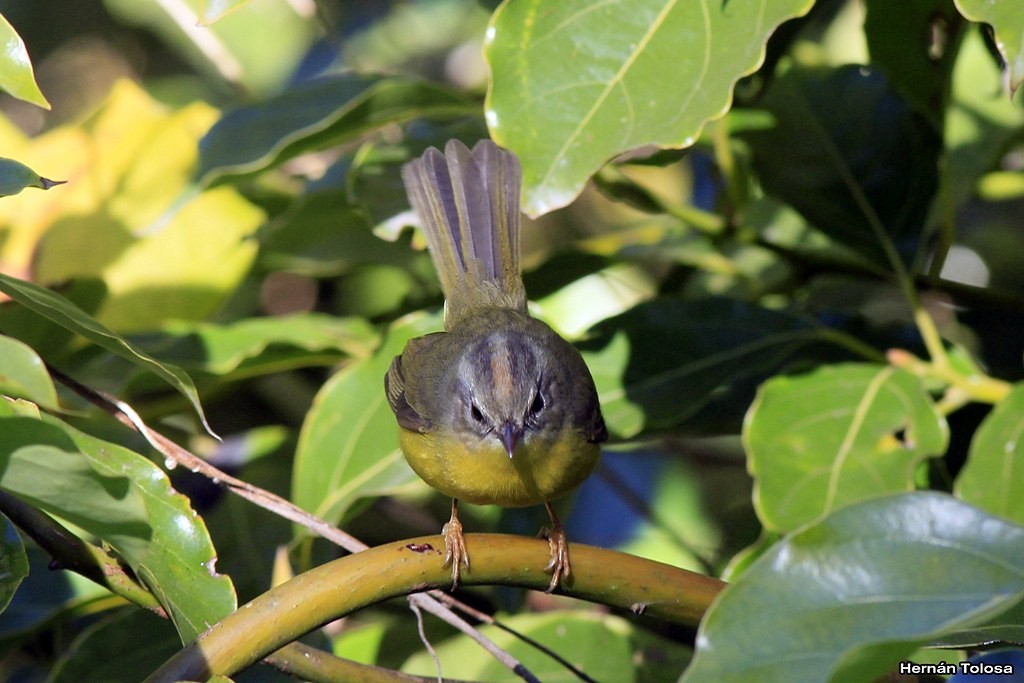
577 82
13 562
23 374
16 176
993 477
65 314
661 364
837 435
348 447
316 115
597 644
16 76
849 597
261 345
843 168
124 499
1007 20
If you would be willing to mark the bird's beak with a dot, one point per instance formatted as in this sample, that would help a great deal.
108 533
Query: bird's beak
509 436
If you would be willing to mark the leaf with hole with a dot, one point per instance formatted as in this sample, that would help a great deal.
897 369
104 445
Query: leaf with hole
125 500
837 435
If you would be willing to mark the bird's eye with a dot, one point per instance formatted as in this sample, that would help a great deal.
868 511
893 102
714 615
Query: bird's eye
537 405
475 413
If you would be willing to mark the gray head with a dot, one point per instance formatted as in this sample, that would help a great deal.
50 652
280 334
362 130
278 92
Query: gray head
504 387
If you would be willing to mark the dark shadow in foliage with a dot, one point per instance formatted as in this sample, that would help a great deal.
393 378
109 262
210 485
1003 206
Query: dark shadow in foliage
696 365
842 135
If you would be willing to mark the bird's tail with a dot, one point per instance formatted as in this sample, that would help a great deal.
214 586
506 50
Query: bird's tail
468 202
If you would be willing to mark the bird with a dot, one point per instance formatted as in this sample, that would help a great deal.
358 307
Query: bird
498 408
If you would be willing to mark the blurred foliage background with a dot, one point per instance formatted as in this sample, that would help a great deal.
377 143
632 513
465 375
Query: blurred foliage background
233 208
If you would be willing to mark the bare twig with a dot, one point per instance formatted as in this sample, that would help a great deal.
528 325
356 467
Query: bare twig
505 658
485 618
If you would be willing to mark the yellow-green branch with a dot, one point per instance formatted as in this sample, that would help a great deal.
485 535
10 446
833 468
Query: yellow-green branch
343 586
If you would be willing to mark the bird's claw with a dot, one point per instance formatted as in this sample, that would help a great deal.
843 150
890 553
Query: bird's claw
558 546
455 552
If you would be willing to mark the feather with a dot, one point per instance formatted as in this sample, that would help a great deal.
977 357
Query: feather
468 202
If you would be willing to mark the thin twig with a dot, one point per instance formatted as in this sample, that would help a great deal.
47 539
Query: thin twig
426 641
485 618
505 658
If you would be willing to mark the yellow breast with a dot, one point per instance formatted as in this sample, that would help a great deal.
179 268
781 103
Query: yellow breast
479 470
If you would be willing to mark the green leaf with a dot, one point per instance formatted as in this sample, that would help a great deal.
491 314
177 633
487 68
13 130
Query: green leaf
577 82
1007 20
16 75
181 270
843 168
599 645
1007 627
23 374
993 477
256 48
323 235
916 43
662 363
264 345
840 434
124 499
13 563
65 314
980 126
16 176
849 597
315 115
348 447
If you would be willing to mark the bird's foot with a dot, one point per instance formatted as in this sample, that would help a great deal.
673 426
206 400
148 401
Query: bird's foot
455 553
558 546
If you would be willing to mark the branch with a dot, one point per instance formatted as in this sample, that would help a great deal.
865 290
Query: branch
343 586
71 552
